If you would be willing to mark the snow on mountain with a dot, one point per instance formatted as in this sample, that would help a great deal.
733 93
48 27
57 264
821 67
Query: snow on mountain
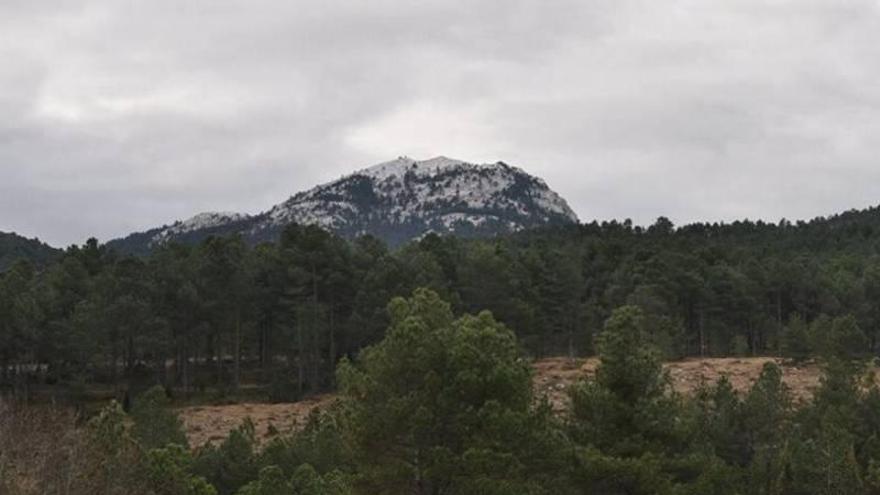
396 169
397 201
404 198
202 221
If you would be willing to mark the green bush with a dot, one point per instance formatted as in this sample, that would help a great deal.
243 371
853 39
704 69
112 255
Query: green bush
169 473
231 465
435 395
155 425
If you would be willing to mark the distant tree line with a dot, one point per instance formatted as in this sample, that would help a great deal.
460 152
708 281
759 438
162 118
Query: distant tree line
221 313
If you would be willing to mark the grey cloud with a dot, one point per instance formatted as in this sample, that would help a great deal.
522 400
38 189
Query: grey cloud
119 116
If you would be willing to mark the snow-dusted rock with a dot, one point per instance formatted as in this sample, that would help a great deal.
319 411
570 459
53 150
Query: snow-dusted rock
397 201
201 221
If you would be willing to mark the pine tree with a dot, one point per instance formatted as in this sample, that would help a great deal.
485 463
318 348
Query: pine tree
444 405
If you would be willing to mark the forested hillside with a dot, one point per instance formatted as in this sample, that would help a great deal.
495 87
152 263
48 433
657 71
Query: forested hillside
14 247
282 315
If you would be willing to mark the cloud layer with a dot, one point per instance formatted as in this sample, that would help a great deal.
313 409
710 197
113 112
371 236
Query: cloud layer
119 116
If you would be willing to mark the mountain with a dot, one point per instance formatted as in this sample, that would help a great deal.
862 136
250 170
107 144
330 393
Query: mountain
14 247
395 201
189 231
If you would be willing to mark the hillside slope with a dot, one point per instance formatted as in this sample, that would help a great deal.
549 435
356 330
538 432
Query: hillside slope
14 247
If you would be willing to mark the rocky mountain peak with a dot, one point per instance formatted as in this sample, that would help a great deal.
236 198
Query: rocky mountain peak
397 201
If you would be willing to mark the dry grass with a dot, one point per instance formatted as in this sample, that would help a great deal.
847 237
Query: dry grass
553 376
27 435
211 424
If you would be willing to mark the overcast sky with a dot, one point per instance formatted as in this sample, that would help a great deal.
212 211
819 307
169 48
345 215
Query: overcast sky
118 116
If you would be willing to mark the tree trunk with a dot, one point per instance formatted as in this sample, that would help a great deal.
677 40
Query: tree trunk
702 334
129 366
779 307
114 363
299 357
185 368
315 354
332 357
261 351
237 372
218 359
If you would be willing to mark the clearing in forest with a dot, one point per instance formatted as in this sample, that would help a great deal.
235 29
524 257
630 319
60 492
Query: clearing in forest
552 377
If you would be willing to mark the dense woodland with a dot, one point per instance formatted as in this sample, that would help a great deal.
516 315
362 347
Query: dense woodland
429 348
444 405
279 316
14 247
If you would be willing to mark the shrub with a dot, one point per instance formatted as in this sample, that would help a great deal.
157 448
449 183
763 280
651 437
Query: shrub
155 425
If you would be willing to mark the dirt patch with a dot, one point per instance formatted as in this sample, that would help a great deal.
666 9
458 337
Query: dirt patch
552 378
212 424
689 374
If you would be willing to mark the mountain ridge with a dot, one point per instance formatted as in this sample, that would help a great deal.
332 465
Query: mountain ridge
397 201
14 247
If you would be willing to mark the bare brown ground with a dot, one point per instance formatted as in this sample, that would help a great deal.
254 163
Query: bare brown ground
553 376
211 424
